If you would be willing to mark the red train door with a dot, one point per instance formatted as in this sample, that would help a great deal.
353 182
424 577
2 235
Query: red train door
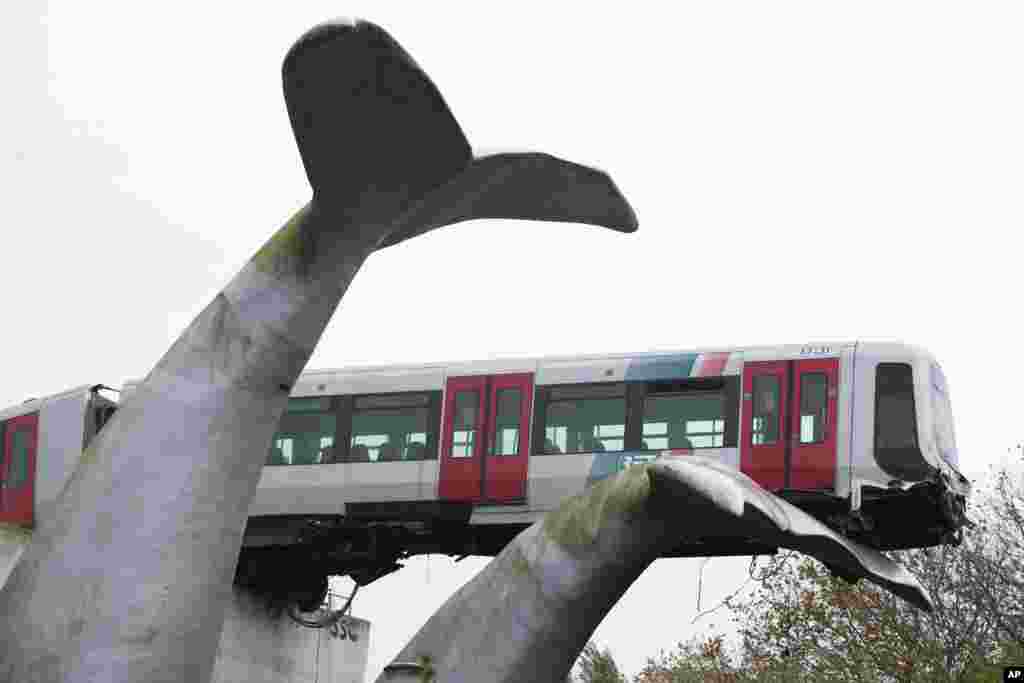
789 423
18 470
763 449
485 438
462 439
815 389
508 438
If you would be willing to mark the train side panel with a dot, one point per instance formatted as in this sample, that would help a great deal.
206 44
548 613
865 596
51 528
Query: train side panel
554 476
64 423
844 426
57 428
936 435
893 381
61 438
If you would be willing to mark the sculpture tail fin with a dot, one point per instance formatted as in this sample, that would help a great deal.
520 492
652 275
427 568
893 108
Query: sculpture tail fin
376 135
531 186
368 121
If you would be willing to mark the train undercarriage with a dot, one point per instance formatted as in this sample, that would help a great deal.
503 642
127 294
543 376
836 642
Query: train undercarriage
288 559
925 515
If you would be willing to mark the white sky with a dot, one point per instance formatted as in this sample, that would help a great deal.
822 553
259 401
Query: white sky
801 171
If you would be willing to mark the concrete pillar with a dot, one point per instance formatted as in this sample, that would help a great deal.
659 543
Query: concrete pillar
13 541
257 646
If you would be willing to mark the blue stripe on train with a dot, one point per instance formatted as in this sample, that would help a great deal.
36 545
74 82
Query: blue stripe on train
644 370
663 367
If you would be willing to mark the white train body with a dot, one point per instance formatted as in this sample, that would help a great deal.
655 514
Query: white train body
391 461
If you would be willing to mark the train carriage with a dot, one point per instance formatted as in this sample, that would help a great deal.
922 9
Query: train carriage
860 435
371 465
41 441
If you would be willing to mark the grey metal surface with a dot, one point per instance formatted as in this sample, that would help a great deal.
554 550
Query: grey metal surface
61 421
128 571
528 614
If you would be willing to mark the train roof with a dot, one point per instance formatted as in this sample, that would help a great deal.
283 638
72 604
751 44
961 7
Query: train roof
550 369
500 361
31 405
553 369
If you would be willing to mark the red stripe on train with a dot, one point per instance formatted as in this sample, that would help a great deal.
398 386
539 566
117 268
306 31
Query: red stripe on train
712 364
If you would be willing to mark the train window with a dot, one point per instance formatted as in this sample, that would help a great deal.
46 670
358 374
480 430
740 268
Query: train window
389 428
305 435
813 406
464 430
17 460
105 415
585 419
681 420
895 415
765 414
101 414
506 422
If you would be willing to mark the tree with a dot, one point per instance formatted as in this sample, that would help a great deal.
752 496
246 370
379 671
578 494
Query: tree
996 570
596 666
705 659
807 622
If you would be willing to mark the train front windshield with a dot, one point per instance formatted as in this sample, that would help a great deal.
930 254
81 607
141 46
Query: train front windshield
897 449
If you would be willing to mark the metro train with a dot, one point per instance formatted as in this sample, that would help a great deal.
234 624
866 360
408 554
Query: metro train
373 465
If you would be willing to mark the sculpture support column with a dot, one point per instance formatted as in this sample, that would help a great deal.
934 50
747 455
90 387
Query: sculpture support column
126 576
260 646
127 573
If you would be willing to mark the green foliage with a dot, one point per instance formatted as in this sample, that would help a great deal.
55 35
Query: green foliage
803 624
695 661
578 519
288 249
597 666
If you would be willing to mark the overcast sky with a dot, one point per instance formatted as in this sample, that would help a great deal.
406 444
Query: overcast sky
801 172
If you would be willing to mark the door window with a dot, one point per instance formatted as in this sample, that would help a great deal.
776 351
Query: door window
766 410
813 406
465 423
506 422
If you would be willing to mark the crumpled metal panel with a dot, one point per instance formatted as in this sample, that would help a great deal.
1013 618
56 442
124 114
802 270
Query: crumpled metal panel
740 503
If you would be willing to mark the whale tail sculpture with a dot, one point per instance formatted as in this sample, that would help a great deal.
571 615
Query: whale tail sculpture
127 572
527 615
361 108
